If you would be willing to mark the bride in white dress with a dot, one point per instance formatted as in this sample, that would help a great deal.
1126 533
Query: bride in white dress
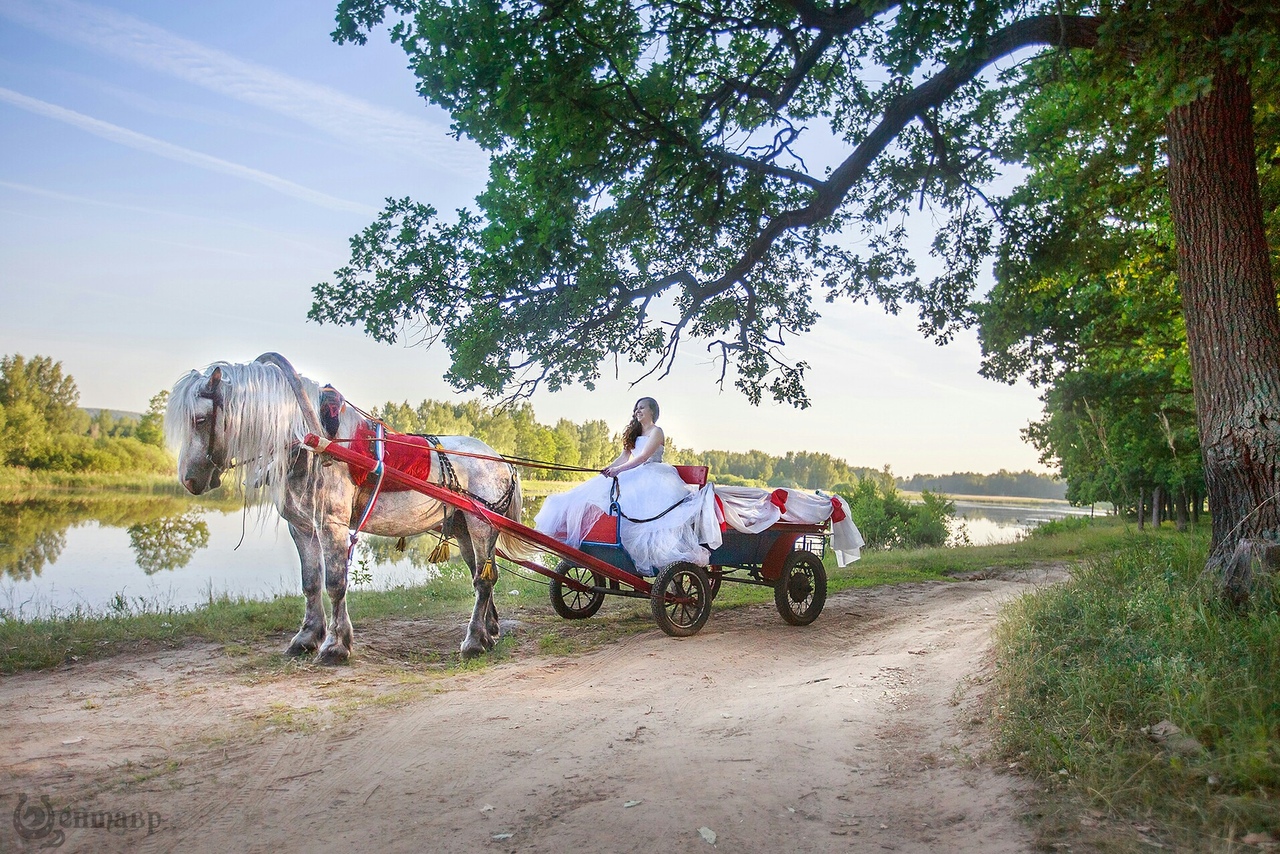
647 488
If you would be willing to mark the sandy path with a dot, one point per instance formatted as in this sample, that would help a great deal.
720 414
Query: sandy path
861 732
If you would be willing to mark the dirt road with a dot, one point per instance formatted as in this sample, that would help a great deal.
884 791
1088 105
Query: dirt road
862 732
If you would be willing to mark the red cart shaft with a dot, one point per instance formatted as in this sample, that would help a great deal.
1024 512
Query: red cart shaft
468 504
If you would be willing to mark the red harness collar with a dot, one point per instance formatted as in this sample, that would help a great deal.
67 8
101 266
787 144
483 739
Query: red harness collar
408 454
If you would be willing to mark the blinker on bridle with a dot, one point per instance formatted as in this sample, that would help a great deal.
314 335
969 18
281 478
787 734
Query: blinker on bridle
214 396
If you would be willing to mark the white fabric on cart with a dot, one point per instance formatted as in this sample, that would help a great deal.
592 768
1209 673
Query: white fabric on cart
643 492
751 510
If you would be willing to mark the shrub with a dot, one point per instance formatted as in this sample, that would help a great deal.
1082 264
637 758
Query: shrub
886 520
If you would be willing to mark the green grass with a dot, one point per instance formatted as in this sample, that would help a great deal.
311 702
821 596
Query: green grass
18 483
235 622
1137 637
53 639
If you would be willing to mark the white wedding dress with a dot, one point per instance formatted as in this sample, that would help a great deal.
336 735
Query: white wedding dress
643 493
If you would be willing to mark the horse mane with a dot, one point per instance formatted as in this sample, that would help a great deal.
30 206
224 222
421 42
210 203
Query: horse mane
261 422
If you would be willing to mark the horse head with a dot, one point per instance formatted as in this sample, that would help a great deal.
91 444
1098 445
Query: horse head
202 459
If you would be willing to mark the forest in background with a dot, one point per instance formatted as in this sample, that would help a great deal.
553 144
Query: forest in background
43 428
591 445
1024 484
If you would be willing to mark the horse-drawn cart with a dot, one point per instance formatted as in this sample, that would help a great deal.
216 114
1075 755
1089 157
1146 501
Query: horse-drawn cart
247 421
785 556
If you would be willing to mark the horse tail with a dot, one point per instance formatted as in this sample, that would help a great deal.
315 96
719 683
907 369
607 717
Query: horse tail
515 548
509 544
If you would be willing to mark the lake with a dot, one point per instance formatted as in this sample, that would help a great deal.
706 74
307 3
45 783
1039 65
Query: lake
168 551
992 521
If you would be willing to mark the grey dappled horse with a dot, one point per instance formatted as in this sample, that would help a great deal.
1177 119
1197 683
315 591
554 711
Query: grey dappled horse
248 421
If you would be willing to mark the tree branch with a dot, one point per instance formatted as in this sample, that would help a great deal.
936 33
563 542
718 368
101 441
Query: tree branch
1060 31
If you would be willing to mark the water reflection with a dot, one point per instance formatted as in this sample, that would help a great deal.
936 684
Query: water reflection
33 534
418 552
169 542
982 523
59 554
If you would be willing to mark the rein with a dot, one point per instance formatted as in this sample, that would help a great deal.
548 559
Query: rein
524 462
615 492
373 499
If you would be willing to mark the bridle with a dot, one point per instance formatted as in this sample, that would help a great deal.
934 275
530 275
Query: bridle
214 396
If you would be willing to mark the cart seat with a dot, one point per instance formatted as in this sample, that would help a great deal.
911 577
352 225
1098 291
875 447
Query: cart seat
693 475
605 530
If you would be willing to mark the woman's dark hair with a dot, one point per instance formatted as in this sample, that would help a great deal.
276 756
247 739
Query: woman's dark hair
633 429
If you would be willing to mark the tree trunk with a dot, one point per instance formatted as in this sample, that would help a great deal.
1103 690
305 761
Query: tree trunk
1142 506
1233 327
1157 504
1181 509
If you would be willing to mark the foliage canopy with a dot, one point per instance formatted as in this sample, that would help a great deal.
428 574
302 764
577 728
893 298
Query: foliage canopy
665 171
42 426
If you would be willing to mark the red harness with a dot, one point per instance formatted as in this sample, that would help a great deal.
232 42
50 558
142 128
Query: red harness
402 452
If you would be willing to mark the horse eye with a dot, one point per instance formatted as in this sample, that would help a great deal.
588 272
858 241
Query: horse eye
199 420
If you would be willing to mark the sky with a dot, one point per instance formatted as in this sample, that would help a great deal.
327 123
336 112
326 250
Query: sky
175 177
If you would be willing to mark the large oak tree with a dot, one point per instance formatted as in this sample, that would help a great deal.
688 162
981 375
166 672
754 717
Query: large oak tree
664 171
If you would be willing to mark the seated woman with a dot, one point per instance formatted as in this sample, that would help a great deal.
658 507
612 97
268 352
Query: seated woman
647 488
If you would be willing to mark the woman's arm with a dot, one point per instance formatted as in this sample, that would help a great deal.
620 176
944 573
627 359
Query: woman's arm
613 466
655 440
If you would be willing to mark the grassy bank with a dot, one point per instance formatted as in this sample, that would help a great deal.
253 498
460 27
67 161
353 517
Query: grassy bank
136 623
19 484
1096 674
133 623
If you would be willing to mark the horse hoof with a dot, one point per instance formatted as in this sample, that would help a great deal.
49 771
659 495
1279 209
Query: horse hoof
472 649
333 655
299 649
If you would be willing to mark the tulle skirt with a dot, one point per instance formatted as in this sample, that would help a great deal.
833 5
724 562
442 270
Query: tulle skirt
644 492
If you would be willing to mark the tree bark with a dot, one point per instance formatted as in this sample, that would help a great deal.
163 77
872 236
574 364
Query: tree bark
1142 506
1229 303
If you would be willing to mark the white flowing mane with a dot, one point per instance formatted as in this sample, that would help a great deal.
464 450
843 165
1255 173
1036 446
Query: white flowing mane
260 421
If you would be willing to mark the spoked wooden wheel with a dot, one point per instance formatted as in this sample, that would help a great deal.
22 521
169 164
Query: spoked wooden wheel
681 599
571 603
801 590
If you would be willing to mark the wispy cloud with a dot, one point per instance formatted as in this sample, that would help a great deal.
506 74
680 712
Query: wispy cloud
279 237
321 107
159 147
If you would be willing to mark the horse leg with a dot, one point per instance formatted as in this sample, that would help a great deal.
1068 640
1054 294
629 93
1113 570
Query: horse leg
312 632
476 540
491 617
336 648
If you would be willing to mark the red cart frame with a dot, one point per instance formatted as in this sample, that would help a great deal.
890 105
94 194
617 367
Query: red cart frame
681 594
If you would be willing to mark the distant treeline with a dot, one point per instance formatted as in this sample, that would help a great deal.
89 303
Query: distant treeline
516 432
1024 484
801 469
42 427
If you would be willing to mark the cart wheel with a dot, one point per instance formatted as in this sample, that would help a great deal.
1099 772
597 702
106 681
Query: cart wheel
801 590
576 604
681 599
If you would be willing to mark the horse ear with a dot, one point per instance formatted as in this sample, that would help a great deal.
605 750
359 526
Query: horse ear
215 379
